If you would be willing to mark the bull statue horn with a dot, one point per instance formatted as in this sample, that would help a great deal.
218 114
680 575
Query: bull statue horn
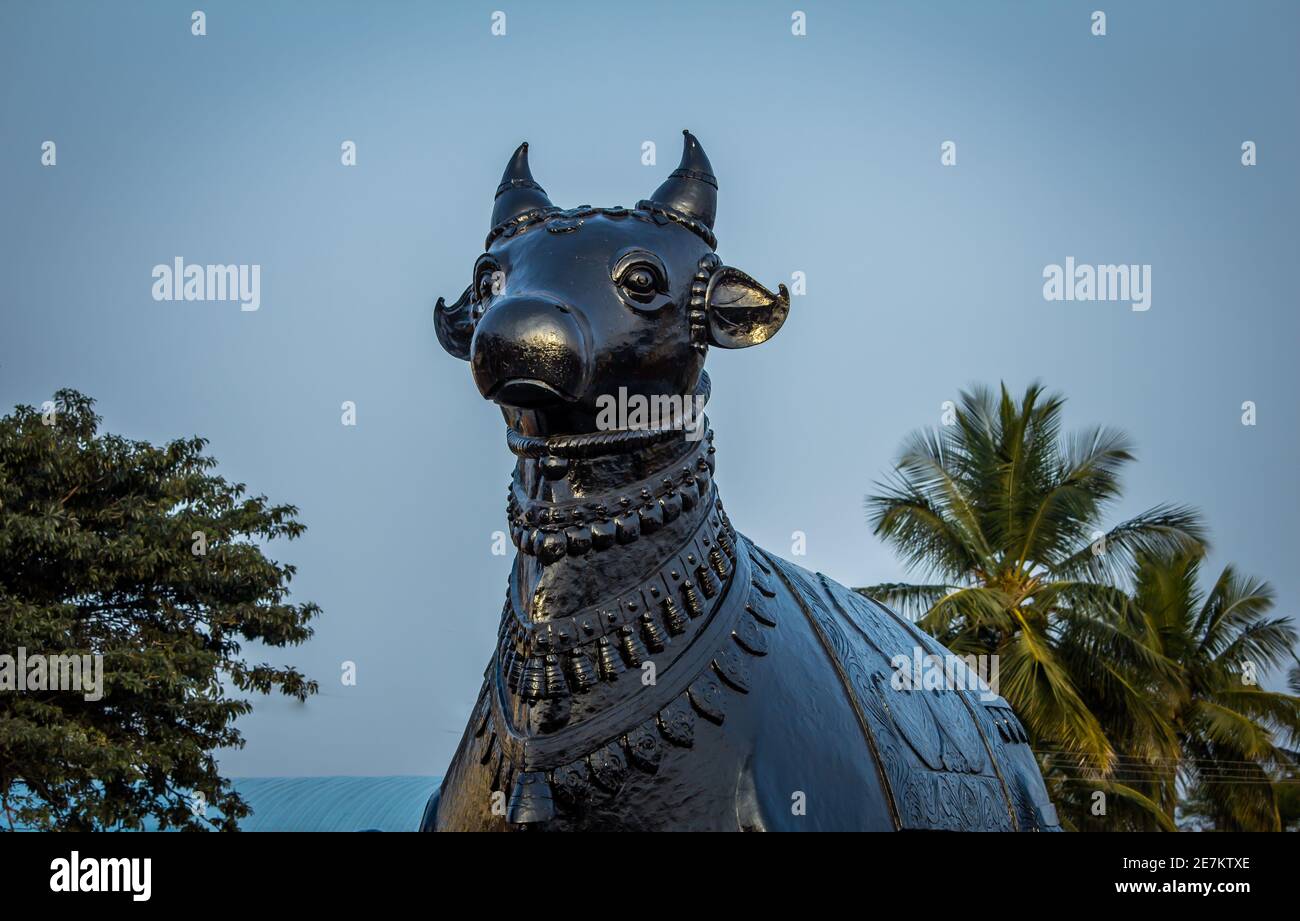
691 189
518 194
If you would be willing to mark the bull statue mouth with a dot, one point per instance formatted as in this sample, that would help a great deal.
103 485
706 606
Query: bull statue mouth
528 393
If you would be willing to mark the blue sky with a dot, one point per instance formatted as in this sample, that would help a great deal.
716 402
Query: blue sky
921 279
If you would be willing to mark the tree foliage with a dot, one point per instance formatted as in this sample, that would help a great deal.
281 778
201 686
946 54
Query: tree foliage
1227 725
1123 687
141 554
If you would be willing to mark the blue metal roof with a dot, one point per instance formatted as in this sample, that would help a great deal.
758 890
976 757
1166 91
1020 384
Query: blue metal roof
334 803
330 803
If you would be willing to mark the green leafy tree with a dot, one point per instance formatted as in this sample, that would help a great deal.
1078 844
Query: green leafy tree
1227 724
140 554
1003 517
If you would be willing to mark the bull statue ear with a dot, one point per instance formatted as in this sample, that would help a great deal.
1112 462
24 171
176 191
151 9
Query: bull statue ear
741 311
455 324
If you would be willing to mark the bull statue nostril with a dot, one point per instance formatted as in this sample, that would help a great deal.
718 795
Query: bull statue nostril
529 352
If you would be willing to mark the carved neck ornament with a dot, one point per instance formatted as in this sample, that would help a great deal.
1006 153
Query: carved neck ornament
575 494
567 705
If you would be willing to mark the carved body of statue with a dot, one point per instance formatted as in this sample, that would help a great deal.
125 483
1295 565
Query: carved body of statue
654 669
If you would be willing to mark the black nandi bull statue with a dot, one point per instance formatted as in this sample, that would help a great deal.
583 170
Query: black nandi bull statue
654 669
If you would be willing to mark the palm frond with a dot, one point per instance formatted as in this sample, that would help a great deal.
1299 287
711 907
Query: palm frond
971 609
1272 708
1235 731
922 532
1043 695
1086 476
1235 605
912 601
1163 531
1265 644
1145 803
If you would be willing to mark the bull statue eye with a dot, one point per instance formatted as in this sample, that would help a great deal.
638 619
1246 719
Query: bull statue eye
488 282
640 278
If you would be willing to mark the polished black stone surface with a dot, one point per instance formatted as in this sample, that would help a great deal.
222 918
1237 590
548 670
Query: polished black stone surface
654 669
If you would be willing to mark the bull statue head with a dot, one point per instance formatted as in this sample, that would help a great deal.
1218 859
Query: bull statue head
565 306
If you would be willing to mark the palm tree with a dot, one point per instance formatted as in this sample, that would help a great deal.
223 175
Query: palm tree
1002 515
1227 725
